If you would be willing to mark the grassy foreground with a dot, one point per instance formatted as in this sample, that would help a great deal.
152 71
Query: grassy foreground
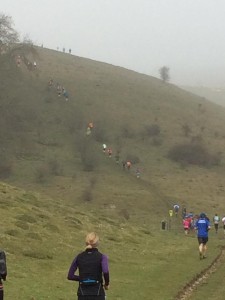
41 237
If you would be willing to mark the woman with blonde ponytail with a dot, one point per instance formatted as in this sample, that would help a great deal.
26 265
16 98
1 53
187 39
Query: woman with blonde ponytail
93 276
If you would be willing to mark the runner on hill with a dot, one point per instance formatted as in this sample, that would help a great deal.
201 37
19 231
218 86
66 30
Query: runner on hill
109 152
3 272
138 173
187 225
65 94
128 165
93 271
104 147
117 157
216 220
202 226
184 212
223 221
88 131
176 209
91 125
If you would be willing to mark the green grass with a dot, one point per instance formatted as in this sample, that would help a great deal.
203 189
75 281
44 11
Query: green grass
144 260
49 202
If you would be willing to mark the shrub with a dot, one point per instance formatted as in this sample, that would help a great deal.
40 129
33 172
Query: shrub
42 174
127 132
157 141
87 195
186 130
86 148
195 154
5 168
54 167
152 130
100 134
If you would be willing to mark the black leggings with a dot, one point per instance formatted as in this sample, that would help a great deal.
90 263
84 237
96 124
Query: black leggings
102 297
1 291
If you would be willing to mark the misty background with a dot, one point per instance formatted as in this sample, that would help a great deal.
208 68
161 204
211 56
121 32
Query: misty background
142 35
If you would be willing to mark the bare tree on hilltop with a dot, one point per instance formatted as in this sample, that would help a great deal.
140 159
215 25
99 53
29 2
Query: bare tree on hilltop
164 73
8 35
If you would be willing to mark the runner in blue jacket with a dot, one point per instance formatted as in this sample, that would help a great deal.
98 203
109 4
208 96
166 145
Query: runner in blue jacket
202 226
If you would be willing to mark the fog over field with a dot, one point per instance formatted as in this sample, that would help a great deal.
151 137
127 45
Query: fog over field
142 35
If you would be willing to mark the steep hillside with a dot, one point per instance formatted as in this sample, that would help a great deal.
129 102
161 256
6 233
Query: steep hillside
216 95
45 145
59 184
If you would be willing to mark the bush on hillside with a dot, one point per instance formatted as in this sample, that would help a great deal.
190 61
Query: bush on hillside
194 154
152 130
100 134
74 121
6 168
42 174
127 132
87 195
88 160
86 148
186 130
157 141
55 167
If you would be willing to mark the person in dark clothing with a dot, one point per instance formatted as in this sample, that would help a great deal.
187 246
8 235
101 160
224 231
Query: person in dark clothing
1 290
3 272
93 270
2 277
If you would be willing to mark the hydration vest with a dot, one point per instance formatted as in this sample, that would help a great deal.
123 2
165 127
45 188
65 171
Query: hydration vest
90 272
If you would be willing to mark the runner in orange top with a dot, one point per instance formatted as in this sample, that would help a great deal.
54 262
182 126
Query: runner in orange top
128 165
91 125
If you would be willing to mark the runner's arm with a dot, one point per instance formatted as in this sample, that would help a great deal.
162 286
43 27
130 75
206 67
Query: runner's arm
71 274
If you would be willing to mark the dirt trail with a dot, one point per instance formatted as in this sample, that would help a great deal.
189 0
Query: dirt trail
189 288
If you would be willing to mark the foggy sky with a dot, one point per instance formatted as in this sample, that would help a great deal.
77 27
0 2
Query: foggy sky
188 36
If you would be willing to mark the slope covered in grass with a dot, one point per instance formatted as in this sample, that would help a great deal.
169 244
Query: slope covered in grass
42 235
69 186
44 141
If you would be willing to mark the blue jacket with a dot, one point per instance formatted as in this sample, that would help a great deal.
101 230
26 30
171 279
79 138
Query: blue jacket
203 226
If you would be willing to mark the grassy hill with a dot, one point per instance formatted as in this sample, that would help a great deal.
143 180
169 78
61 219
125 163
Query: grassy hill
44 136
59 184
216 95
41 236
